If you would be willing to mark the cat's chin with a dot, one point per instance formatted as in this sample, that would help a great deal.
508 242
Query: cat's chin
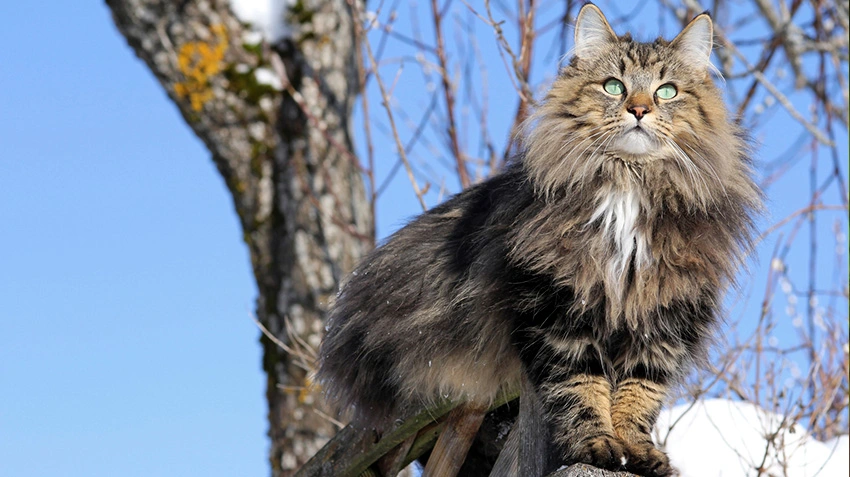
635 142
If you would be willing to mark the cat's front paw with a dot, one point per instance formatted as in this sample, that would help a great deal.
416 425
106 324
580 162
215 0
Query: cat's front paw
645 459
603 451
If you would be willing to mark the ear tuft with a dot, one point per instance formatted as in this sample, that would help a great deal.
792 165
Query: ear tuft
592 32
696 40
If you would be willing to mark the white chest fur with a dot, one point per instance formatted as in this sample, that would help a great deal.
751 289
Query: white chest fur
619 212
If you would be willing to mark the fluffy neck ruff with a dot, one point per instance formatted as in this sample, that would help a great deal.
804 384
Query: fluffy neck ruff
632 234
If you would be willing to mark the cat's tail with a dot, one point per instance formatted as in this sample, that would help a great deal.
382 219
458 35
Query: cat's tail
356 381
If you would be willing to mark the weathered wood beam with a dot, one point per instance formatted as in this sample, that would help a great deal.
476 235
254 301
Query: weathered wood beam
453 444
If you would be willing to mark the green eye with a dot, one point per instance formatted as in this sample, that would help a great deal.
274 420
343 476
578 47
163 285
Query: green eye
615 87
666 91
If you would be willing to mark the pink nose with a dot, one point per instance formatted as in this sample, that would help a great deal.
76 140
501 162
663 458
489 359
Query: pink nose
639 110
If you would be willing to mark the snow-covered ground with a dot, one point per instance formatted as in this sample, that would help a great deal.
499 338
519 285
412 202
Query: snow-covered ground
718 437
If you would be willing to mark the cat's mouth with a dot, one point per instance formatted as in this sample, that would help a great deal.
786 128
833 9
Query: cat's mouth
639 129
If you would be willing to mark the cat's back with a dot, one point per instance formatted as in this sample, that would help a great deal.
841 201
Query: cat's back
418 318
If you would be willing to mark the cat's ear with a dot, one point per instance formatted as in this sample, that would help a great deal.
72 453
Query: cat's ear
696 40
592 32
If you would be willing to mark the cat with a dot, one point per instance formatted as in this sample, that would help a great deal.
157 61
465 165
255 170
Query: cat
594 263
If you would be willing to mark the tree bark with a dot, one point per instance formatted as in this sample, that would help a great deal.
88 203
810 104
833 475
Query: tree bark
285 153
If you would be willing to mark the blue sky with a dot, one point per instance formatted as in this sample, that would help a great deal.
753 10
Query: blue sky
126 341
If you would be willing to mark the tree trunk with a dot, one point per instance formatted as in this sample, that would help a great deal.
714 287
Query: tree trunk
285 152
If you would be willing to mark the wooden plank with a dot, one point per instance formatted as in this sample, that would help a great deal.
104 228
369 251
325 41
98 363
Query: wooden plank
392 463
524 453
454 443
352 450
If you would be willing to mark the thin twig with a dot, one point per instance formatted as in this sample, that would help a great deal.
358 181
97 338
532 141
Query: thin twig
385 101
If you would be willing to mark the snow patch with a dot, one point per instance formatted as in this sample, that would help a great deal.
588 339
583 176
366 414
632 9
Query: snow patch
718 437
839 458
267 16
268 77
252 37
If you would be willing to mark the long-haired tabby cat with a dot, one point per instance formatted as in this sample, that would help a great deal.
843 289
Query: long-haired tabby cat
594 264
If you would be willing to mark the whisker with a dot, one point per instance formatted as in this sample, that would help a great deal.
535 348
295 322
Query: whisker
693 171
711 169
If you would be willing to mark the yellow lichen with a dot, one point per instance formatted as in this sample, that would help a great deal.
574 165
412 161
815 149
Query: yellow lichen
198 61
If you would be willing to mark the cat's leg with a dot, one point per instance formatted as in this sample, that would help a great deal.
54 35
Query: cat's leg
576 398
637 400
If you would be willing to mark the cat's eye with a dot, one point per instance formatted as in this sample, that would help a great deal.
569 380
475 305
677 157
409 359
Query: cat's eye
666 91
614 86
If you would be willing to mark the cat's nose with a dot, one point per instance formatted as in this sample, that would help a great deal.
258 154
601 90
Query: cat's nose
639 110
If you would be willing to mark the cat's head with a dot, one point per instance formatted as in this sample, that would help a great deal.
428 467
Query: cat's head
623 108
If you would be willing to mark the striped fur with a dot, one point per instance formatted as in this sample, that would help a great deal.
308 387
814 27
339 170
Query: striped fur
595 262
